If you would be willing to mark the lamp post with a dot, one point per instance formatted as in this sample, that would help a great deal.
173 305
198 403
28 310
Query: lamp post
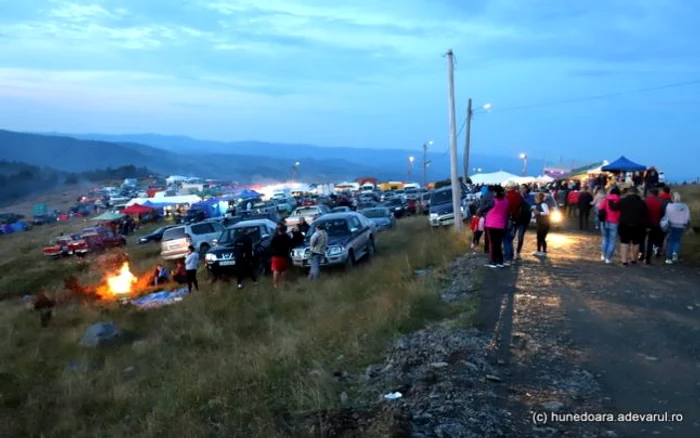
467 138
411 159
426 163
523 156
295 171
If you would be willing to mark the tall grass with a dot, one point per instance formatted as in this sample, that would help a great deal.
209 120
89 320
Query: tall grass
690 249
222 362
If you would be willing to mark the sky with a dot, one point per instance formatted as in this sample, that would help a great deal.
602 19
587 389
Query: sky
364 73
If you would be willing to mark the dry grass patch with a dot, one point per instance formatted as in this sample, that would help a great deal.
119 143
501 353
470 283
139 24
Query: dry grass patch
220 363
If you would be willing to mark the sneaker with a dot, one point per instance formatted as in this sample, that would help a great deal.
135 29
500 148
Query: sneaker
543 254
506 264
608 261
491 265
669 261
500 266
536 253
602 257
473 247
675 257
516 257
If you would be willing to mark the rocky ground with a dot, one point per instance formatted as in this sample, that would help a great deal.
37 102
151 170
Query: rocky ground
556 336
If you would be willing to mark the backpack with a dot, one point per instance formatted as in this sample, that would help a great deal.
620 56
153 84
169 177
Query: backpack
524 213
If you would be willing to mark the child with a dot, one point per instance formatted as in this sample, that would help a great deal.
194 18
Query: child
477 227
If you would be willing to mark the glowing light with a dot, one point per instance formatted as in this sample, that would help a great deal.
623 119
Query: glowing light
556 216
122 283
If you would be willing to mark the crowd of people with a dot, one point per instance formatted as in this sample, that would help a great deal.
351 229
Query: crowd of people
643 216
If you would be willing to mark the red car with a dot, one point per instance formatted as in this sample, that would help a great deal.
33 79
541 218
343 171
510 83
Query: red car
101 238
66 245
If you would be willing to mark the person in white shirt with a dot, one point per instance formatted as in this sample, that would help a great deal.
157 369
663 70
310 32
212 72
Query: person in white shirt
191 264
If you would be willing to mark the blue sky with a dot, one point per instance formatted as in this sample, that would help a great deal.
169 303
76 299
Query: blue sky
362 73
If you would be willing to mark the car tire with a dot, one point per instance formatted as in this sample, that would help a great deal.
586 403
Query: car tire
350 261
371 248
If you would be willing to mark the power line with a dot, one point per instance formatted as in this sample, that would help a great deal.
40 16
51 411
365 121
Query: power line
599 96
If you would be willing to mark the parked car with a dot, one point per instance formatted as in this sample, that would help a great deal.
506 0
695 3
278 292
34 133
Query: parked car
246 216
66 245
44 218
101 238
397 207
284 205
441 212
310 214
425 202
363 205
351 236
154 236
221 258
201 235
382 217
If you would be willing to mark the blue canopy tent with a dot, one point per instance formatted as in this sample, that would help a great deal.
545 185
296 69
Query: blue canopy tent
213 207
622 164
248 194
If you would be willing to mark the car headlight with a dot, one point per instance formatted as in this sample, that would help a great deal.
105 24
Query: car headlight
210 257
433 215
335 250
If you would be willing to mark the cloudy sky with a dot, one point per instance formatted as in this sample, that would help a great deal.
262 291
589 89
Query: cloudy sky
364 73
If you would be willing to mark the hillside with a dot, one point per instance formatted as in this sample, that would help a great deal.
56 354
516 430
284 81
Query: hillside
65 153
392 163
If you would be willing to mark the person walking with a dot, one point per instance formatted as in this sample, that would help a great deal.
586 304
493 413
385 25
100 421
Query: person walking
319 246
585 200
496 215
676 220
245 258
610 221
632 223
597 200
191 264
655 236
542 217
524 217
280 246
515 200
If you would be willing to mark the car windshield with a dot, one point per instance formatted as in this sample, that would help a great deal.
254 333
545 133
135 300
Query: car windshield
335 227
305 211
174 234
231 235
376 212
441 197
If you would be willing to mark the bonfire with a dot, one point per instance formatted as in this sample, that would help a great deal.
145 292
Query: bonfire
120 284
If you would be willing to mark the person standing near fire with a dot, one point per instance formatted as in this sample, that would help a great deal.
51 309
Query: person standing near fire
191 264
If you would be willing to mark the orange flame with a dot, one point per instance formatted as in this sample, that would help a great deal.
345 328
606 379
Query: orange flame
121 283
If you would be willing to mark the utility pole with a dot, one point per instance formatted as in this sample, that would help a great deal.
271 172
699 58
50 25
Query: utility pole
425 165
467 139
454 172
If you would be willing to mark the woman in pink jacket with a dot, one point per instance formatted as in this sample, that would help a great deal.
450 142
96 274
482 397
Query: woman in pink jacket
496 212
609 224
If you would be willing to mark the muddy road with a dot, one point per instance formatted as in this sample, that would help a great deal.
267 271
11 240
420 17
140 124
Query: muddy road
575 336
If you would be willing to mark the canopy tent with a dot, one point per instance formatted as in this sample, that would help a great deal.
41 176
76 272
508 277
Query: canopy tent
169 200
248 194
520 180
138 209
107 216
545 179
622 164
157 204
492 178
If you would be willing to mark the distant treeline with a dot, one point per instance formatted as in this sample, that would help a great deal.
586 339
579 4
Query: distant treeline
18 180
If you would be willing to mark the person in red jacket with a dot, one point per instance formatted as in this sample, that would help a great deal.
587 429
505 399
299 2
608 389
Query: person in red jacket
514 200
655 237
572 203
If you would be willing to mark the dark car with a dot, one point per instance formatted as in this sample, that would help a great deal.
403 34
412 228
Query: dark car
351 236
221 259
154 236
397 206
441 211
249 216
382 217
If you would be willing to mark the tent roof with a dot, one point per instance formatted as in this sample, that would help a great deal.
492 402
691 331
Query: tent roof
622 164
107 216
583 170
492 178
137 209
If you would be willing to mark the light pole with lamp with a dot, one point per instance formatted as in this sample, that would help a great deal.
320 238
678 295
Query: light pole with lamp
411 159
523 156
295 171
426 163
467 137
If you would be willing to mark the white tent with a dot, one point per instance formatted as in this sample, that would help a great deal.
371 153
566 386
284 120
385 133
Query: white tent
544 179
492 178
186 199
519 180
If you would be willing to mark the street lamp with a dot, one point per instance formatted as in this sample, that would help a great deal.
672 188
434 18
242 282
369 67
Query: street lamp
523 156
426 163
411 159
295 171
467 138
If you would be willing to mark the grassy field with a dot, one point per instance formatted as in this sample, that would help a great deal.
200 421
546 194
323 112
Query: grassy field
690 249
221 362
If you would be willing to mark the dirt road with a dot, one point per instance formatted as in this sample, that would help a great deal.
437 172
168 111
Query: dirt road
576 336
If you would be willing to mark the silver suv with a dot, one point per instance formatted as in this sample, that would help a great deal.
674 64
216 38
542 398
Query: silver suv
176 240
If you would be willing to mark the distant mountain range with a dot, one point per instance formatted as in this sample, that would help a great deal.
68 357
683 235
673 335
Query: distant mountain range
245 161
